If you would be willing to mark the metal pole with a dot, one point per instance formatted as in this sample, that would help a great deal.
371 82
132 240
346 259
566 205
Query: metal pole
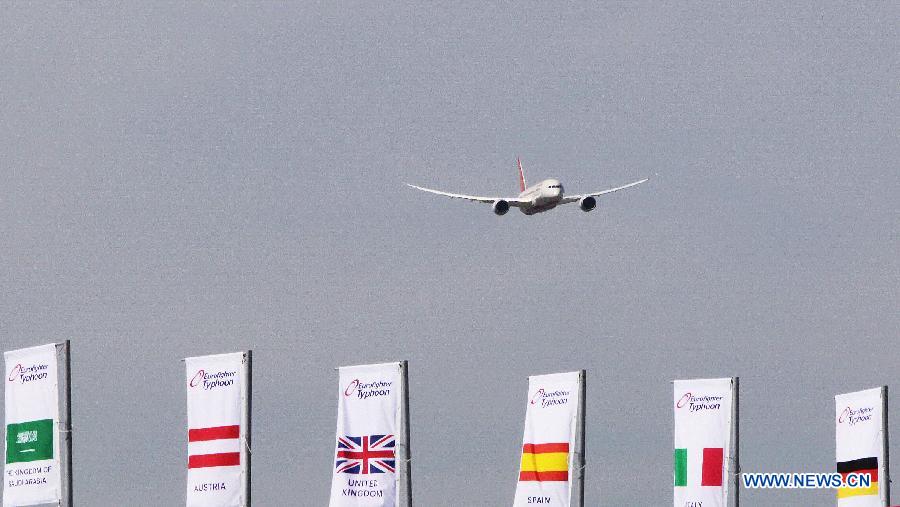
886 447
407 454
64 369
736 443
248 448
580 462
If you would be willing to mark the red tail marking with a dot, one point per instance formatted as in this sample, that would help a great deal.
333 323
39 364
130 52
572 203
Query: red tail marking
521 176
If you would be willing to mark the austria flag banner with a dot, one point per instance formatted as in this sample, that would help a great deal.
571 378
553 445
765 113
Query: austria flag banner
703 447
548 446
32 471
369 436
217 413
860 440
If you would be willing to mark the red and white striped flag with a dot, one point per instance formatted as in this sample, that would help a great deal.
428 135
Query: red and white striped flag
219 446
217 407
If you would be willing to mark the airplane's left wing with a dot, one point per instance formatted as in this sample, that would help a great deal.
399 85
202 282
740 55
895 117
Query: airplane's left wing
513 201
573 198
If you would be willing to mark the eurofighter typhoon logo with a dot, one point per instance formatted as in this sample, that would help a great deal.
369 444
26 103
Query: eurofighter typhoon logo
545 399
852 417
364 390
213 380
25 374
699 403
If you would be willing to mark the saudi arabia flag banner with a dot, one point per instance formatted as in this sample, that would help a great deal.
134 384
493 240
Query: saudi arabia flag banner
860 444
703 428
32 473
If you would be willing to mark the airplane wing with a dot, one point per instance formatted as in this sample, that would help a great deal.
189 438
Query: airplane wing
574 198
513 201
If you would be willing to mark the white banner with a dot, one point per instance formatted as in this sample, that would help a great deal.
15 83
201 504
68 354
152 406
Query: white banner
703 447
216 413
368 437
859 444
32 472
548 445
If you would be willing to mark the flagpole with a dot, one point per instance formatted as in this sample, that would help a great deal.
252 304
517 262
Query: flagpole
580 461
247 450
736 444
65 424
885 446
407 454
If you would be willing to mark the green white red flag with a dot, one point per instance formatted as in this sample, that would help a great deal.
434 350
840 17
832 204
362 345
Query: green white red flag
703 448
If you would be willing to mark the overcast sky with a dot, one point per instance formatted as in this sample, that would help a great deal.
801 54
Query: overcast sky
186 179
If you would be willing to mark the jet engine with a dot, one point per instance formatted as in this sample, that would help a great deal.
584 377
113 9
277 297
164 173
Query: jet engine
587 203
501 207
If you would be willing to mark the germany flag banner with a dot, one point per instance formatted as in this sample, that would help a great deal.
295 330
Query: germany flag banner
860 466
860 426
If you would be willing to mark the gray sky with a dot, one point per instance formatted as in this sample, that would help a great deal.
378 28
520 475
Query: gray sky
180 180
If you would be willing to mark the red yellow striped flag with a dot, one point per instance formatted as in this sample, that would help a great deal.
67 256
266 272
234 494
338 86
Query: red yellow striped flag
545 462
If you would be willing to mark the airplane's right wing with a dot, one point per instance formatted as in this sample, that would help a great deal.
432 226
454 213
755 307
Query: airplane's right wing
574 198
513 201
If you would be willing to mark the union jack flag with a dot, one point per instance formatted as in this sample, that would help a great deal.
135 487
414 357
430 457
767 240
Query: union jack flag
369 454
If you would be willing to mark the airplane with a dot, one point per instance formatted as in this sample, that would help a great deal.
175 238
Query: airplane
537 198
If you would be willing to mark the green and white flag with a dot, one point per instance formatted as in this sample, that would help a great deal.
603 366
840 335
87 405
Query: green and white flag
31 473
29 441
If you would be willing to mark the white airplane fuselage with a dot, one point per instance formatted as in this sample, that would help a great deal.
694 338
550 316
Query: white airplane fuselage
542 196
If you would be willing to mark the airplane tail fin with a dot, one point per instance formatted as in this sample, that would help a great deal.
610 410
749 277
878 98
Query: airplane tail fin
521 175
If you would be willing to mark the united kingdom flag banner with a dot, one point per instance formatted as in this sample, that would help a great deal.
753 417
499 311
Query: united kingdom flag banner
366 453
370 454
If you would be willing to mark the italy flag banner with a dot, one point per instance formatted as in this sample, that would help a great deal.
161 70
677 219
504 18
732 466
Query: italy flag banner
548 448
703 459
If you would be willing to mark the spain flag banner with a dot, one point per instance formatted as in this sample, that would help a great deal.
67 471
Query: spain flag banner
548 448
545 462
